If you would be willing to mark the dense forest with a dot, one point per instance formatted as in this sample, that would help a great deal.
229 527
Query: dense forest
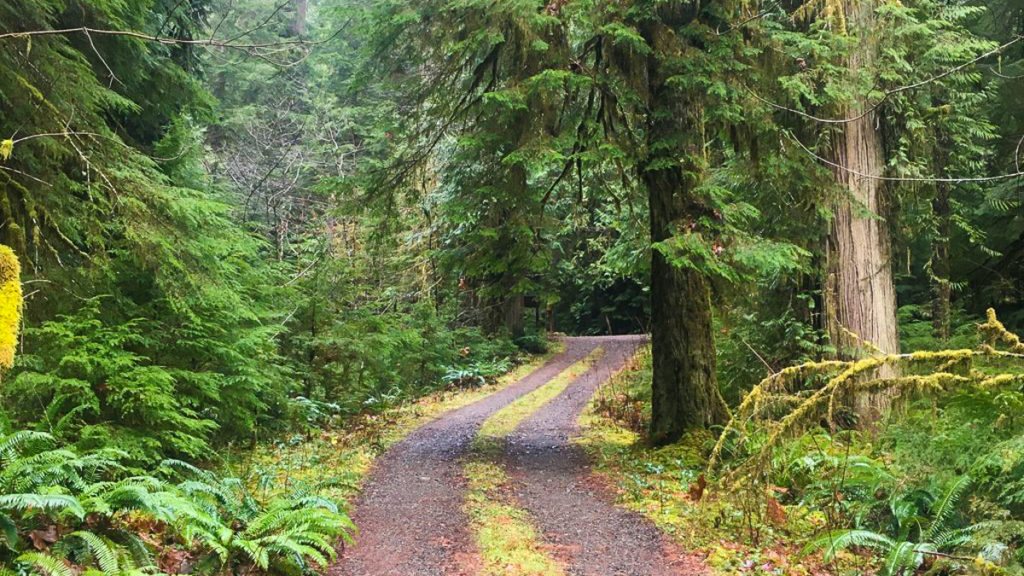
246 246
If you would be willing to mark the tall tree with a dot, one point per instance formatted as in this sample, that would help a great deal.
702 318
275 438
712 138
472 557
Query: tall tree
627 95
860 295
684 386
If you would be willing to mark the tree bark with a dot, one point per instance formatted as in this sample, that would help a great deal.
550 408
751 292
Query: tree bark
685 392
514 309
685 389
299 23
860 295
942 288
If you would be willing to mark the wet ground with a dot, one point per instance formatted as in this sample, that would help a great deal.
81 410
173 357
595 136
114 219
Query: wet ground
410 513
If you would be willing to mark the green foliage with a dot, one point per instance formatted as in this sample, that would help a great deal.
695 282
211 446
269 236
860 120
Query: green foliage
113 522
475 374
221 249
903 556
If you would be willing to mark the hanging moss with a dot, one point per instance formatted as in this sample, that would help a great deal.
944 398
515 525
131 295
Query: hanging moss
995 333
831 11
10 305
925 373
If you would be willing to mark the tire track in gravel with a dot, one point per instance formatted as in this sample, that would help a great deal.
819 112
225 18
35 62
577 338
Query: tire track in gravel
409 513
552 480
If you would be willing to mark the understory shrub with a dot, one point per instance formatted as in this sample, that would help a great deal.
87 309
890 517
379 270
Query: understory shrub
64 512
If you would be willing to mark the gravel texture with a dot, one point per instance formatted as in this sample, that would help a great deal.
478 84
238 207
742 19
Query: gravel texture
410 511
552 480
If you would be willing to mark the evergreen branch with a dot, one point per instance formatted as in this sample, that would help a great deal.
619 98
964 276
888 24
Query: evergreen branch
212 43
888 93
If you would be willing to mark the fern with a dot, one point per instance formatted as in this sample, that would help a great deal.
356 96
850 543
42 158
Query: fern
12 444
835 541
904 557
100 551
48 502
45 565
946 506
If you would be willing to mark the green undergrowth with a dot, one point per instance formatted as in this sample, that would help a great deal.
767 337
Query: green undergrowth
662 483
504 422
936 487
506 538
334 461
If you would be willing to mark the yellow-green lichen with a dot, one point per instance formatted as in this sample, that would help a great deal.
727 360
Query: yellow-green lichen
10 305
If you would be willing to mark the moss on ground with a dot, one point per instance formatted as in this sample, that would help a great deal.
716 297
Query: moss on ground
503 422
660 483
506 538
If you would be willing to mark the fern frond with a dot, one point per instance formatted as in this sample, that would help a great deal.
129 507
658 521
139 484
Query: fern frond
100 550
135 547
9 530
45 564
946 505
172 467
48 502
285 546
903 557
11 445
254 551
317 502
220 495
954 538
837 540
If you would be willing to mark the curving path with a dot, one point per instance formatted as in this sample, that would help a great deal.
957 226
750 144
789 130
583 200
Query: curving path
552 481
410 511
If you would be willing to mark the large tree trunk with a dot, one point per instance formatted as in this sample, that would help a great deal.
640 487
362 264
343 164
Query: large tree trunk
860 296
684 388
513 311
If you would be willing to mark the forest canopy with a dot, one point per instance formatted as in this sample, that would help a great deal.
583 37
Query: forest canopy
230 224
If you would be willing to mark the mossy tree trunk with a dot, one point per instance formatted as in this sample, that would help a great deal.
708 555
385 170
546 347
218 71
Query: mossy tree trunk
684 386
685 390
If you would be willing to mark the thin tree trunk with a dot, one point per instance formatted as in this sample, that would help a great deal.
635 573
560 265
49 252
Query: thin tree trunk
299 23
860 296
942 288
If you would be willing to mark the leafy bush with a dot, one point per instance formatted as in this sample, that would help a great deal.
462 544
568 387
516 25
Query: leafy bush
313 413
532 343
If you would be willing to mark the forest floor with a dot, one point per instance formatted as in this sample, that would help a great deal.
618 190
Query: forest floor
500 487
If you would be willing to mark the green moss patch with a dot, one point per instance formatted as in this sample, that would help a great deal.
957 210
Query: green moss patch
505 536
